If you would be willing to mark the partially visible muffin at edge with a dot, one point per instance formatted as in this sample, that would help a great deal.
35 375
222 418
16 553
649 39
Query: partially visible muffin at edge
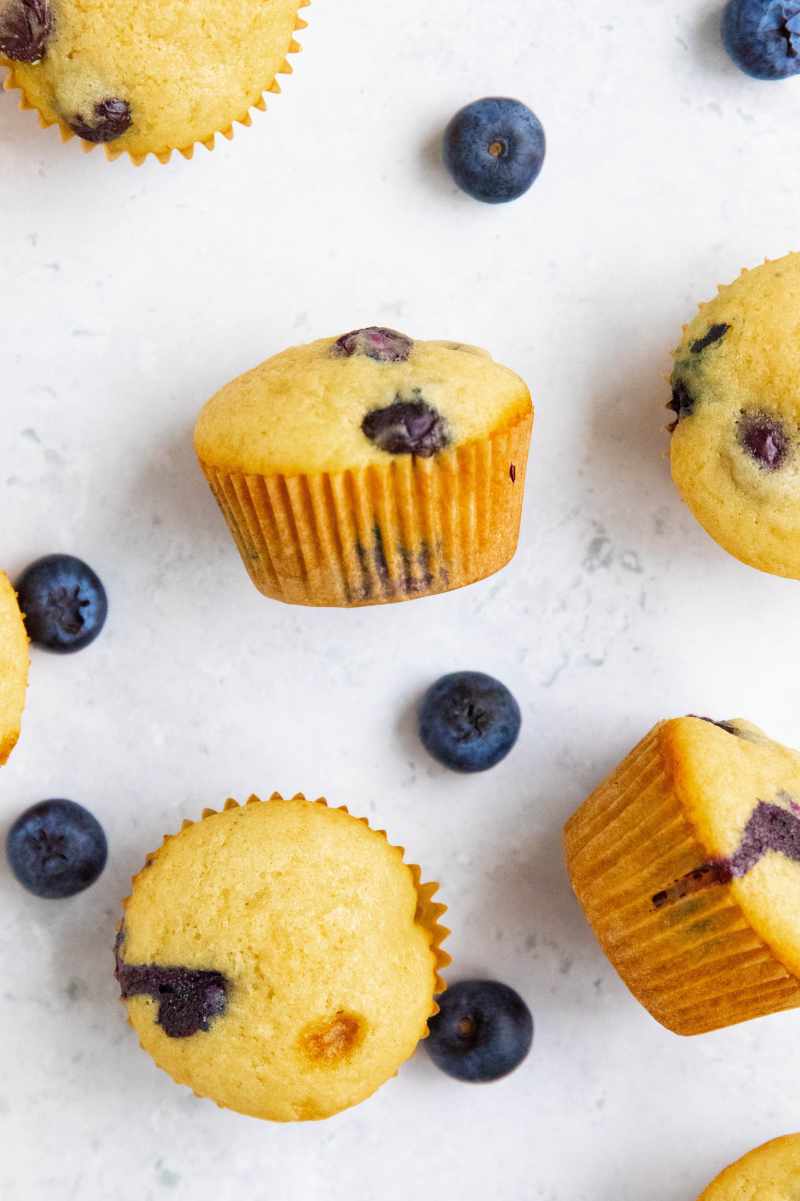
370 467
770 1173
735 446
149 76
14 664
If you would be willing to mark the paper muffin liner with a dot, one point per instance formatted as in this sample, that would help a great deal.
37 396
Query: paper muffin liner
412 527
695 963
13 82
428 914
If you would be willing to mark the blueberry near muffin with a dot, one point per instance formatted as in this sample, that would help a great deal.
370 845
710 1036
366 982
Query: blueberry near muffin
149 76
280 958
369 467
687 864
14 662
770 1173
735 446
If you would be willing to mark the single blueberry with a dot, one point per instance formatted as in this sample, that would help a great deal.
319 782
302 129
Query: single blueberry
407 427
483 1031
469 721
383 345
494 149
110 119
763 37
25 27
64 603
56 849
765 439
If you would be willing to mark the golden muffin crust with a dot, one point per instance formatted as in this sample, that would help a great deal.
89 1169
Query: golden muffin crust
147 76
741 793
308 409
316 946
736 443
770 1173
14 662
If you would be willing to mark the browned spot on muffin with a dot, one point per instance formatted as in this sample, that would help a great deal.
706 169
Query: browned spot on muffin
331 1040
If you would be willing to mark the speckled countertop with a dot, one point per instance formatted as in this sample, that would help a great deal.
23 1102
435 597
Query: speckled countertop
128 297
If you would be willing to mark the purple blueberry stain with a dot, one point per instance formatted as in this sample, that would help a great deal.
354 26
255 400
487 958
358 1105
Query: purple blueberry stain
109 120
407 427
771 827
765 440
376 342
713 335
188 999
25 28
682 402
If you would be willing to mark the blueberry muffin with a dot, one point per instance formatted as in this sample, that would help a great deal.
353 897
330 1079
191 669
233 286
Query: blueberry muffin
770 1173
280 958
13 668
736 432
370 467
149 76
687 864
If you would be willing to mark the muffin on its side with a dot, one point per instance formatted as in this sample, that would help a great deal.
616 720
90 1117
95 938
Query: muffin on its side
149 76
770 1173
14 663
736 433
687 864
280 958
369 468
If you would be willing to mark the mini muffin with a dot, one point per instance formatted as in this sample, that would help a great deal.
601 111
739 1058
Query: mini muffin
770 1173
369 468
149 76
280 958
687 864
14 661
736 435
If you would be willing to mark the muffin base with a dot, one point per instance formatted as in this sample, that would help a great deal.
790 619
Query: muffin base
696 963
413 528
13 82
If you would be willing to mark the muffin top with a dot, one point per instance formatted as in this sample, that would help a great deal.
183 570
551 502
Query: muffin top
348 402
280 958
770 1173
14 662
736 396
741 792
150 75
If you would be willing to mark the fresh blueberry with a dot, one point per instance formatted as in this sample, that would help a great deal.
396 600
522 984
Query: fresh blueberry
763 37
494 149
469 721
483 1031
64 603
56 849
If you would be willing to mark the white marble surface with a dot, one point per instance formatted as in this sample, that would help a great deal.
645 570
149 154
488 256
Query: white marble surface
128 297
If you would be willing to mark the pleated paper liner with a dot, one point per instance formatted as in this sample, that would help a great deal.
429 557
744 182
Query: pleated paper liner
695 963
429 911
411 528
13 82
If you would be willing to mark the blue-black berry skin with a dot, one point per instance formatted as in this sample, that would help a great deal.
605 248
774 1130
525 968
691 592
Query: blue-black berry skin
483 1031
469 721
763 37
56 849
494 149
64 603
